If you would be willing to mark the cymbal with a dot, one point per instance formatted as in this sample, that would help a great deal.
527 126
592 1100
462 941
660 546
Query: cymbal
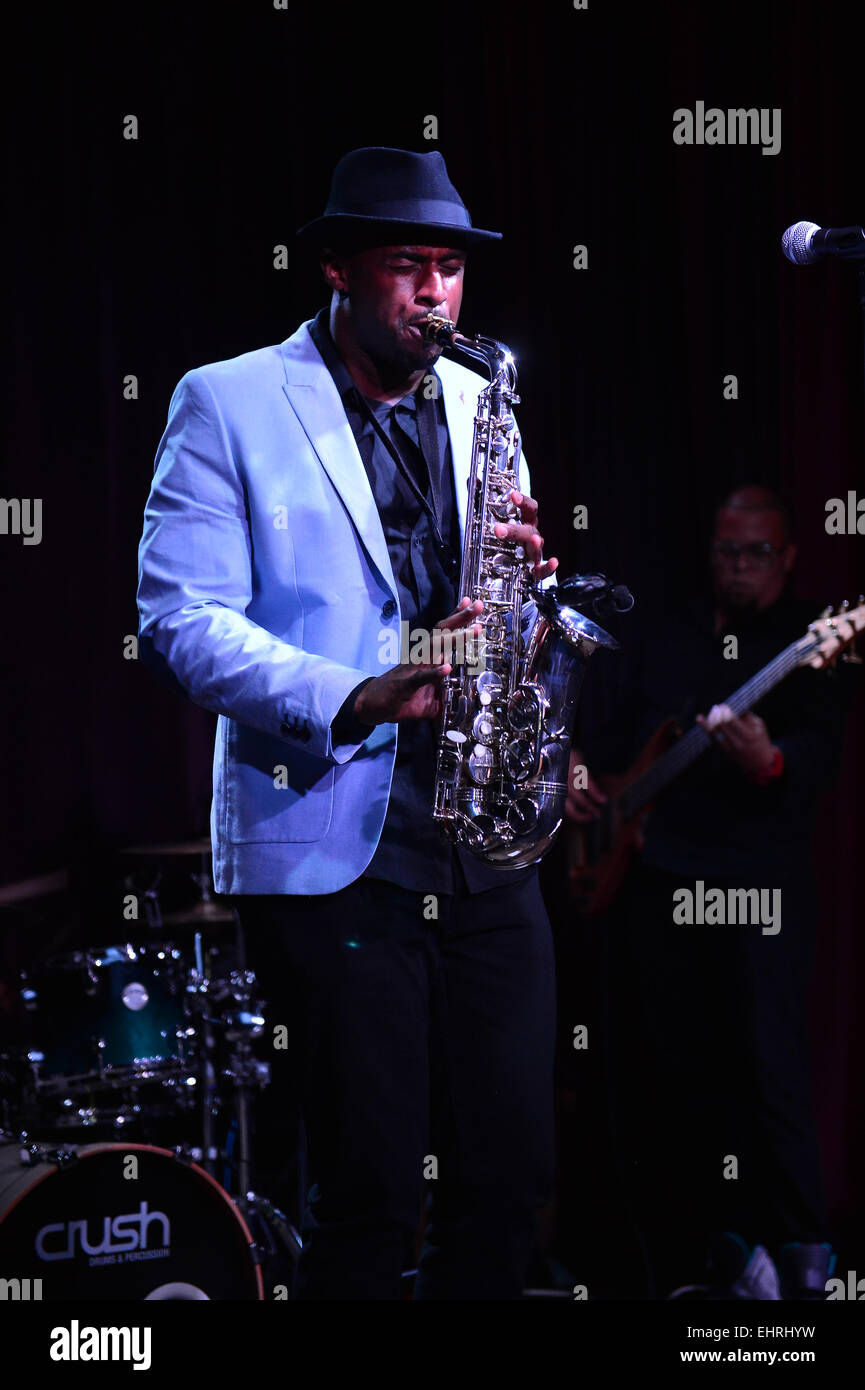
180 848
200 913
34 887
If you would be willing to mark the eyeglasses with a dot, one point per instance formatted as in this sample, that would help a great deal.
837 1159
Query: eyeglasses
760 554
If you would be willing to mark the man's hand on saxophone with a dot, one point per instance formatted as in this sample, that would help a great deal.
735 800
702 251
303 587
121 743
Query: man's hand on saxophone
526 531
412 690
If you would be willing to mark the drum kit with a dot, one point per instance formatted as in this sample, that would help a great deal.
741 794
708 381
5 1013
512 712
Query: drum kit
126 1130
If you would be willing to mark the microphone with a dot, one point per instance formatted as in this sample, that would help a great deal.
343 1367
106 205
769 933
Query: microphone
805 243
623 599
597 592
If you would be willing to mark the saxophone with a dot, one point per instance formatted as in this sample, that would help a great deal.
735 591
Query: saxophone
507 720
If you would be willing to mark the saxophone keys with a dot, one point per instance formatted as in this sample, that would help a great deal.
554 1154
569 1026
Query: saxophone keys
471 832
499 565
522 815
519 759
523 710
481 765
448 769
488 684
484 728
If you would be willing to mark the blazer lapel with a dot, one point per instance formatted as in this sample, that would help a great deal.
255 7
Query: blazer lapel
315 400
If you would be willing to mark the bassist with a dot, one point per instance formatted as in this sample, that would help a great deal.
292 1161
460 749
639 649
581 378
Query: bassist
707 1045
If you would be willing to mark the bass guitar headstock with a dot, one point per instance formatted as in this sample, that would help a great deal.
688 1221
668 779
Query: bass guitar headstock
835 634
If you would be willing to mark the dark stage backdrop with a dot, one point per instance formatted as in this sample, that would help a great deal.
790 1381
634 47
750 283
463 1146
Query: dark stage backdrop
147 257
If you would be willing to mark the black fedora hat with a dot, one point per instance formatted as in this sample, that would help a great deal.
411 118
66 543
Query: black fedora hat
381 193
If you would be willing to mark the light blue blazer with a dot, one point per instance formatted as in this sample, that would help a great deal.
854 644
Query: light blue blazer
265 589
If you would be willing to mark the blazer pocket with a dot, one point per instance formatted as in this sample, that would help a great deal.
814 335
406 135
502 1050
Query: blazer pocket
276 793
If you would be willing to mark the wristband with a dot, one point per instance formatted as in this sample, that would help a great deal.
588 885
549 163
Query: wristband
770 773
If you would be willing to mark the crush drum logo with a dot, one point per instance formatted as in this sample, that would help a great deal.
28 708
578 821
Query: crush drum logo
107 1240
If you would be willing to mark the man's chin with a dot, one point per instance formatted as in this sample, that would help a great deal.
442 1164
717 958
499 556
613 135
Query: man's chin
417 342
739 601
417 353
408 354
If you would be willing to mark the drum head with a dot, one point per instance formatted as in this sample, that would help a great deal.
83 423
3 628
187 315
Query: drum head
124 1221
108 1014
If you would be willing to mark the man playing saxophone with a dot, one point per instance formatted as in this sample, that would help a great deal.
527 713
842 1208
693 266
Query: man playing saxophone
306 501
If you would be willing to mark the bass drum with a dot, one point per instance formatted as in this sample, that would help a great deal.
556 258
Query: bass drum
123 1221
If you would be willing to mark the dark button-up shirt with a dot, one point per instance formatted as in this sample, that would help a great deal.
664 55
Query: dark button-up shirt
412 851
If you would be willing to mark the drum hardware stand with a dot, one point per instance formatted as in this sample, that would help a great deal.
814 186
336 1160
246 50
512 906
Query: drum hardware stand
245 1073
266 1221
210 1101
239 1024
242 1069
152 905
150 899
203 880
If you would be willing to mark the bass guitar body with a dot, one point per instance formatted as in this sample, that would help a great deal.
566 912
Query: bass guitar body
600 851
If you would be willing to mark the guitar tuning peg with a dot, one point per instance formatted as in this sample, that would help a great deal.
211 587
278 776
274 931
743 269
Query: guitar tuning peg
845 605
851 657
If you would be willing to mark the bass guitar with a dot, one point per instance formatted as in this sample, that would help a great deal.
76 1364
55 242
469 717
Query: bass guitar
600 851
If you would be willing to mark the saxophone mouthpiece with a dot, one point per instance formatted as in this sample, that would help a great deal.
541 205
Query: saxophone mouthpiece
439 330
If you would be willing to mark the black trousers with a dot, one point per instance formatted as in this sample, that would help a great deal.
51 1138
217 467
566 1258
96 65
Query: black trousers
711 1063
420 1053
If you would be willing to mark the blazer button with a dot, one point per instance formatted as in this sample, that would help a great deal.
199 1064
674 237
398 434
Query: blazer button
388 609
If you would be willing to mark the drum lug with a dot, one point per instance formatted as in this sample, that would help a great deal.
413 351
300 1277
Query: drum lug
30 1152
64 1158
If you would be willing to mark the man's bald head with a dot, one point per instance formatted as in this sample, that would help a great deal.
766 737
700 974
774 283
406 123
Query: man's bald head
755 498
